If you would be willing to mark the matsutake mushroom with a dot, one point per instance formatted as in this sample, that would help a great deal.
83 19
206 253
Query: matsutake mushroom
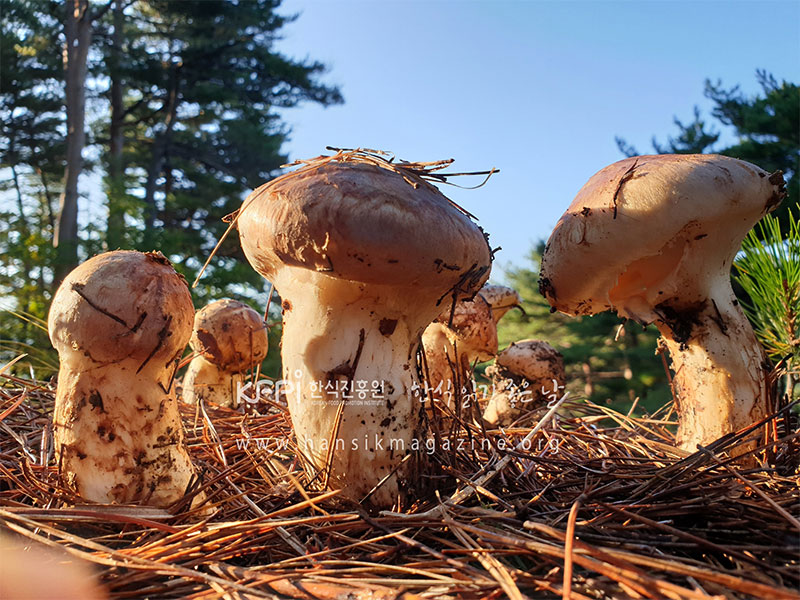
653 237
501 299
229 338
364 254
120 322
461 337
526 375
453 346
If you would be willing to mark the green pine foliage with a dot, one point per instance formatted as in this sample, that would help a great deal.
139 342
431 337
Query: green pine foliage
768 271
195 124
32 142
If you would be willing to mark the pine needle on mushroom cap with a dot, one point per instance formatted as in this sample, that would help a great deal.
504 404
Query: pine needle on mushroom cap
364 259
649 518
415 173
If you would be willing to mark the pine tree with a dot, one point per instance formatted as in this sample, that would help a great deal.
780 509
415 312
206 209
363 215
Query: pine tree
180 104
33 142
767 127
209 132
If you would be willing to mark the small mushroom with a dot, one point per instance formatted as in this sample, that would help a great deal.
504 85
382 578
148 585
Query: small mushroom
229 338
653 237
453 345
120 322
364 255
501 299
524 376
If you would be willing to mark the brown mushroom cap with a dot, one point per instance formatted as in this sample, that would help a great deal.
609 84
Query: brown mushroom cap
650 228
533 360
230 334
472 329
501 299
364 223
122 305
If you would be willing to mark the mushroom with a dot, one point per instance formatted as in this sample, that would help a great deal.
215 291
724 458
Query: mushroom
364 256
653 237
120 322
454 342
501 299
525 375
230 338
453 346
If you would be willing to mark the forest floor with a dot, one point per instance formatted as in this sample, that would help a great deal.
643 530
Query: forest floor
592 503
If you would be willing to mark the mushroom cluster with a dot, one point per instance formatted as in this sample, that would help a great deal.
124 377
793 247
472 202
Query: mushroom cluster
370 259
364 256
120 322
526 375
229 338
653 237
453 346
461 337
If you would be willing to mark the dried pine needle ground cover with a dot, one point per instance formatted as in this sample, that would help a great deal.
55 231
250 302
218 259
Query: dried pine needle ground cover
598 505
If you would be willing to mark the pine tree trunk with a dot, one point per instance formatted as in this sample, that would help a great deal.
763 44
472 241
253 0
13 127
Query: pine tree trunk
77 29
115 230
161 144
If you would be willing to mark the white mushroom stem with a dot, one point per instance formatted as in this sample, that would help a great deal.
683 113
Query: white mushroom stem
448 370
119 433
720 369
205 380
338 345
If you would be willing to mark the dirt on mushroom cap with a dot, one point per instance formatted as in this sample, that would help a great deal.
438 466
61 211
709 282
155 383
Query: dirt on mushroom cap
359 221
122 305
628 229
230 334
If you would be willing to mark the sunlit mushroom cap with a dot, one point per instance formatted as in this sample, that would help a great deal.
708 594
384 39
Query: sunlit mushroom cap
501 299
472 329
230 334
533 360
650 228
122 305
364 223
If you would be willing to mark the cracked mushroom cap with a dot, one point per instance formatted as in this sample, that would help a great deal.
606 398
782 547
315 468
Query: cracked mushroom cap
473 329
122 305
501 299
533 360
365 223
230 335
649 229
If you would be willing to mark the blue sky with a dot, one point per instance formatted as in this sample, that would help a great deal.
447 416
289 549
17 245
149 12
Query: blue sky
537 89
